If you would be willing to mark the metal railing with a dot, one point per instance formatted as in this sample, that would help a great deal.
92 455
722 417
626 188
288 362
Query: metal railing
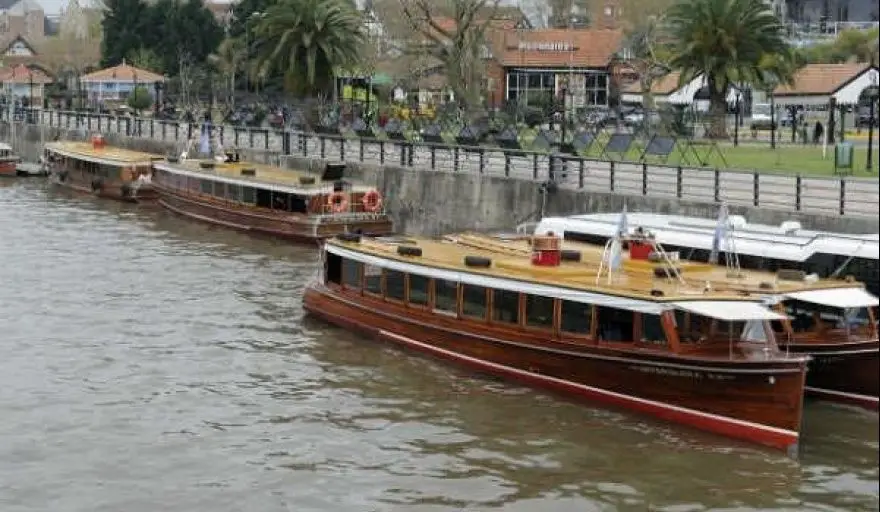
846 196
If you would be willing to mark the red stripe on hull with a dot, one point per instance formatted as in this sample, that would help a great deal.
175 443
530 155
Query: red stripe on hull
316 303
847 373
871 403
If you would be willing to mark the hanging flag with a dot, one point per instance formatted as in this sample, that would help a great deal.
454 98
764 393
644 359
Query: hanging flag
622 224
720 233
615 255
205 142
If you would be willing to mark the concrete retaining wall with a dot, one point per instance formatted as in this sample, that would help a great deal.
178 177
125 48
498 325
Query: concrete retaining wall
432 202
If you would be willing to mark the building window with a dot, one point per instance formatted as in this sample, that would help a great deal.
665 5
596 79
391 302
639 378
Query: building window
596 90
534 88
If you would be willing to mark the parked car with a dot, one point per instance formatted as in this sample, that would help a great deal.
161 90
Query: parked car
863 120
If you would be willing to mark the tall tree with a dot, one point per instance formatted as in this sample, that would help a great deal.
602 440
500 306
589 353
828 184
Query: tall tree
726 41
124 26
308 41
454 32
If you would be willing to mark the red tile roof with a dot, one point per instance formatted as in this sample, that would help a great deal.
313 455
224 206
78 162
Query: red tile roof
819 79
22 74
665 85
554 48
123 73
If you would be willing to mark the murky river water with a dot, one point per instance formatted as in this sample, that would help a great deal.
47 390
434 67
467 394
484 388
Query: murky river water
148 363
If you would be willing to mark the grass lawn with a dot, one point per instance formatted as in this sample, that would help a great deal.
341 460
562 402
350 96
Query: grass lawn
806 160
750 156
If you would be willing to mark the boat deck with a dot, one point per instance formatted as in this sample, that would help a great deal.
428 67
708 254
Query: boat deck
514 262
640 273
110 154
302 182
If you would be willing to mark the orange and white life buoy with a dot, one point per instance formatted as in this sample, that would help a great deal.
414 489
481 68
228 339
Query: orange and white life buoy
338 202
372 201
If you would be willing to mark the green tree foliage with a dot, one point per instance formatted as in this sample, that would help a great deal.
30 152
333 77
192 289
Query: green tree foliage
124 25
140 99
144 58
171 30
727 41
307 41
849 46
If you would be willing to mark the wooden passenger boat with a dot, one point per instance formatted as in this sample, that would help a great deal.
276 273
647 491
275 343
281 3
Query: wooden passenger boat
648 343
269 200
8 161
758 246
834 321
105 171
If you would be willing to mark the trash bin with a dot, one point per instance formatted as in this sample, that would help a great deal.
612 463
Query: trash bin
843 157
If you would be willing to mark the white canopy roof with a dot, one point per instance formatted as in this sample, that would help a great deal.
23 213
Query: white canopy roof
842 298
729 310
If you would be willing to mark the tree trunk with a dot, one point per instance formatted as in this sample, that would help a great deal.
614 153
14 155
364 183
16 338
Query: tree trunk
717 128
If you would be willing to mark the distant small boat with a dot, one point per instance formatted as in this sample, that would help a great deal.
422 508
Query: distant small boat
104 171
8 161
269 200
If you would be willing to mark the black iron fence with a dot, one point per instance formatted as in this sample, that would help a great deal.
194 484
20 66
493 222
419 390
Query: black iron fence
847 196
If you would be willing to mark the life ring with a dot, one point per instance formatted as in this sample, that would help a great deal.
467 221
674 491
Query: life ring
372 201
338 202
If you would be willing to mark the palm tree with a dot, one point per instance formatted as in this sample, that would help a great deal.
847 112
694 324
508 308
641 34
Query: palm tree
308 41
727 41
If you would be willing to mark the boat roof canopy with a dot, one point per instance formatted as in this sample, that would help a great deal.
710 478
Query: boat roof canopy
843 298
729 311
5 147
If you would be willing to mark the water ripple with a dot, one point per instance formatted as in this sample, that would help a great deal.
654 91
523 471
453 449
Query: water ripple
154 364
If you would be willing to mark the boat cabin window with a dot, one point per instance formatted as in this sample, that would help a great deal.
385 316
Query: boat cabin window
577 318
418 289
691 328
806 317
652 329
473 301
445 295
373 279
263 198
206 187
614 324
333 272
395 285
539 311
351 274
505 306
248 195
233 192
281 201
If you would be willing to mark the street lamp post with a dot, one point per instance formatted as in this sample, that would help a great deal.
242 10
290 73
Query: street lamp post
772 120
871 93
564 115
247 43
737 115
31 99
